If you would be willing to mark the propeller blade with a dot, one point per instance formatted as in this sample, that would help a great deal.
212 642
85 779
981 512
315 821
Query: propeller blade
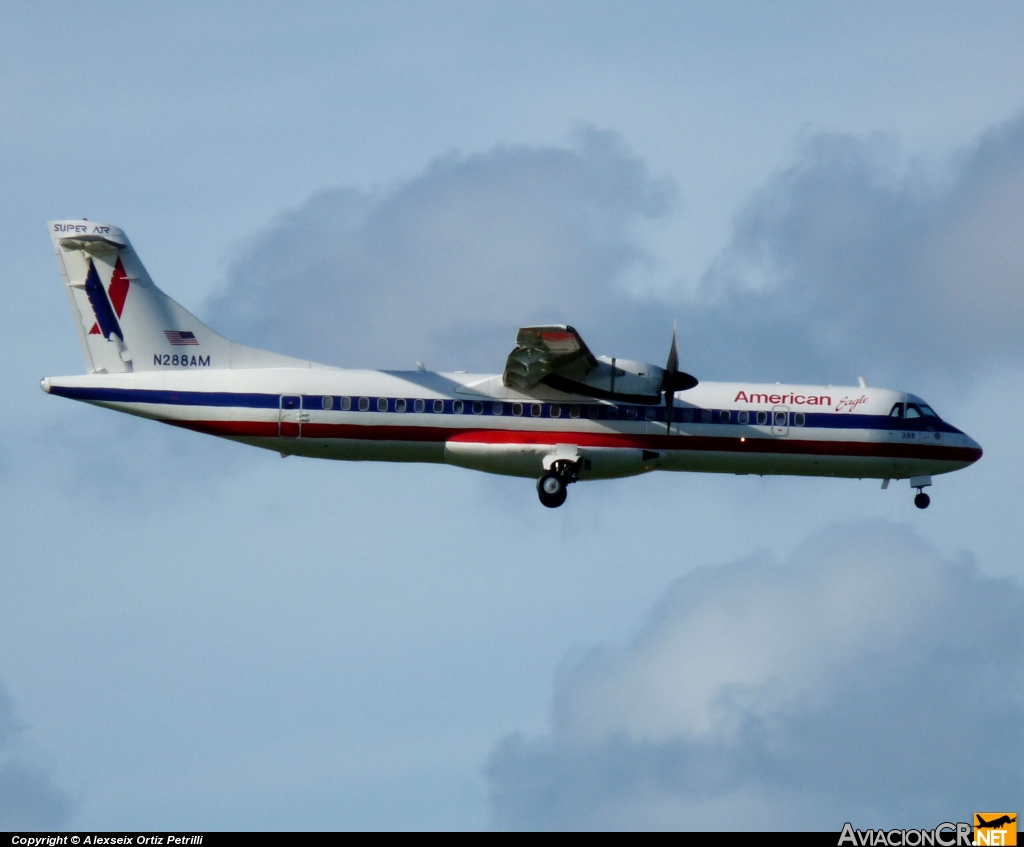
674 380
672 367
669 381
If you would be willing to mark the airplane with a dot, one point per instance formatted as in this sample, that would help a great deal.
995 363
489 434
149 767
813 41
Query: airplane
558 414
995 823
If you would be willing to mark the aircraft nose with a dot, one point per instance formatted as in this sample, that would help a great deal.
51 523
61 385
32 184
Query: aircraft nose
974 448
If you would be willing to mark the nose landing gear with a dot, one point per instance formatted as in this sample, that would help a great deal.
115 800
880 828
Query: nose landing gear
551 487
922 500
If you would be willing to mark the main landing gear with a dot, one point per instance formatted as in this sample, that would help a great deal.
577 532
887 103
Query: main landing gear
553 484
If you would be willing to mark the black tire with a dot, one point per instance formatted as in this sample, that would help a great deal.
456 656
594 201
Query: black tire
551 490
922 500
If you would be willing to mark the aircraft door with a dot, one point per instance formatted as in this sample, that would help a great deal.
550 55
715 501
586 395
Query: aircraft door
780 420
289 422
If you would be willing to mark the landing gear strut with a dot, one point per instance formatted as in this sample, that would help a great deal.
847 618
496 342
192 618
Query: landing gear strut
922 500
551 487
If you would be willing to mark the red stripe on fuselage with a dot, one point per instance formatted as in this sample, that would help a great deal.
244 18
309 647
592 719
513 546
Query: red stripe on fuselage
752 445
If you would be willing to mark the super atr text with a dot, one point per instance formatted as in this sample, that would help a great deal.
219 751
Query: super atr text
174 360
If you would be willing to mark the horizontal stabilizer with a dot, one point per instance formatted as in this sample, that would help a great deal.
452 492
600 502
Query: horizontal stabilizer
94 245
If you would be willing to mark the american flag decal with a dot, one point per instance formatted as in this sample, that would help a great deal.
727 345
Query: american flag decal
181 339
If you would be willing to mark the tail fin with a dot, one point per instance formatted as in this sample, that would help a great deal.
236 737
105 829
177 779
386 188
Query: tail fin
124 322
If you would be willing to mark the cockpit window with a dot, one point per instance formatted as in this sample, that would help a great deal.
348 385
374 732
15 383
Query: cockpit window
897 411
921 410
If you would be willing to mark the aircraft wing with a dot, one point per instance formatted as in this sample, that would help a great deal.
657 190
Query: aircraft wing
541 351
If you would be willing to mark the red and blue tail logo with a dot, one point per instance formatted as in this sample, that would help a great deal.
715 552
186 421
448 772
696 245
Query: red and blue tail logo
107 305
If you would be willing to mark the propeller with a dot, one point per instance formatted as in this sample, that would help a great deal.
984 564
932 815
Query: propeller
674 380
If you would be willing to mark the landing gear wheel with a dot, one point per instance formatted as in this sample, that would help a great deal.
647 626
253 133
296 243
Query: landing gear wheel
922 500
551 490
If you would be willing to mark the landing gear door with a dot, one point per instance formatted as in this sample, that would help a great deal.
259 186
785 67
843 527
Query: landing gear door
290 418
780 420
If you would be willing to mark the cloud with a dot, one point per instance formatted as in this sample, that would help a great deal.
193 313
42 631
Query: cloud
854 258
28 798
446 265
851 260
868 679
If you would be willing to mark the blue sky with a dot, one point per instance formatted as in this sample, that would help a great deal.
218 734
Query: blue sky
197 634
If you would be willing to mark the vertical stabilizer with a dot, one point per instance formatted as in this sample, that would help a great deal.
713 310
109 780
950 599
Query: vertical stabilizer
124 322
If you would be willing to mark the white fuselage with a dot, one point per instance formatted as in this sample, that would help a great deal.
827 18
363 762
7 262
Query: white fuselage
474 421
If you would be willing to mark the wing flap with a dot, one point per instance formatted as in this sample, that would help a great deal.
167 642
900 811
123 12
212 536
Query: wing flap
544 350
559 358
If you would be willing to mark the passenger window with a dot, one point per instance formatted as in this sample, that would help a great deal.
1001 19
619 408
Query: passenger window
780 419
556 410
457 407
517 409
364 404
799 419
705 416
574 411
724 416
762 418
535 409
743 417
595 412
649 413
478 407
346 403
913 411
382 404
687 415
438 406
896 411
400 405
420 405
613 413
498 408
631 412
327 403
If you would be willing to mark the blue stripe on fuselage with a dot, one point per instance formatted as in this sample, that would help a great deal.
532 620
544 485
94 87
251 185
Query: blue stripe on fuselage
169 398
820 420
